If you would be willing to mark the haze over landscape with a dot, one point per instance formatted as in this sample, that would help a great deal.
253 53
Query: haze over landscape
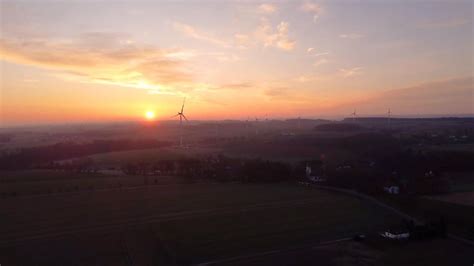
115 60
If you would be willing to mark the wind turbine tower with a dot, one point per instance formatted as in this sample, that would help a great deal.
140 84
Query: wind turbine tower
256 126
247 128
181 116
389 116
217 131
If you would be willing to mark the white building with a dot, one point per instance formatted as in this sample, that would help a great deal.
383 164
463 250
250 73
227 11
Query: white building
313 178
392 189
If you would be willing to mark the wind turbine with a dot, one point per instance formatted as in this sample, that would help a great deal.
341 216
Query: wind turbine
247 127
354 115
181 116
217 131
389 115
266 123
256 126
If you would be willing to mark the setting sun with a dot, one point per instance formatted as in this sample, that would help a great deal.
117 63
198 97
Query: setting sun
150 115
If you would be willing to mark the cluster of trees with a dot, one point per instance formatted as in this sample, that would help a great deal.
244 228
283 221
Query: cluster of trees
162 167
339 127
80 165
418 162
218 168
370 161
413 171
45 155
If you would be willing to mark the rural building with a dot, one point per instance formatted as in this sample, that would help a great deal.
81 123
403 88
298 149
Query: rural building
311 177
392 189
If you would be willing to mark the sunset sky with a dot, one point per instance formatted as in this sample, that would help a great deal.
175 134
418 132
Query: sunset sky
71 61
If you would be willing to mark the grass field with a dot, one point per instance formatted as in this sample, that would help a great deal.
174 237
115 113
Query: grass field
41 182
373 252
151 155
176 223
461 181
463 198
452 147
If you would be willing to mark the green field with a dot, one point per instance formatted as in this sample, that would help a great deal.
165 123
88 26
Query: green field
41 182
452 147
461 181
437 252
186 223
151 155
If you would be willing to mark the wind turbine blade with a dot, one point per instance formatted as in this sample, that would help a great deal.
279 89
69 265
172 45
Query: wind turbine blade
182 107
185 117
174 116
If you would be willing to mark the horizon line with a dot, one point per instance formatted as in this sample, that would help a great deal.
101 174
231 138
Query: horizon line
260 119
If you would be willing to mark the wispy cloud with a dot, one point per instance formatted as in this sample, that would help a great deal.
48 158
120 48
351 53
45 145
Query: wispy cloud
181 54
238 86
283 94
312 52
265 35
312 8
267 8
242 40
444 23
274 37
310 78
351 36
320 62
320 54
103 58
30 80
198 34
228 58
351 72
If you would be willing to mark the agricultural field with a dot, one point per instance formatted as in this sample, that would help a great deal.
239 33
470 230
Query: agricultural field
461 181
372 252
150 155
176 223
469 147
42 182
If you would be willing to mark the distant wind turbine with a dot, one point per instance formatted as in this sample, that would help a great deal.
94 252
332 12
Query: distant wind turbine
256 126
354 115
389 116
247 127
181 116
217 132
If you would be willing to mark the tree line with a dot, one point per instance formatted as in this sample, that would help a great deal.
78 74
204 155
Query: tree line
218 168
